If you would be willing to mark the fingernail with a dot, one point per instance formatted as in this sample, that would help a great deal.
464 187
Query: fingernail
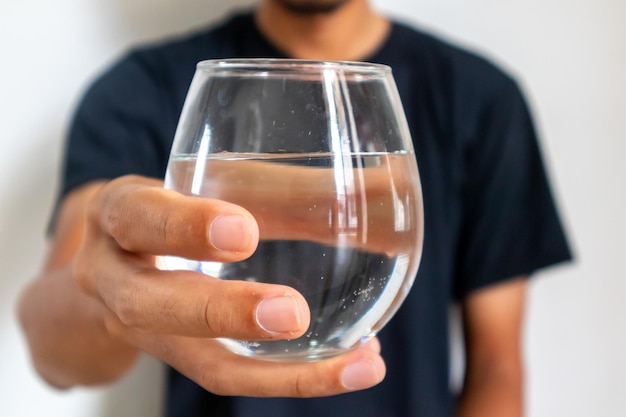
230 233
360 375
279 315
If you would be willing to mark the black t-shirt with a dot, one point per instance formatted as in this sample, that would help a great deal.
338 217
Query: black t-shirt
489 213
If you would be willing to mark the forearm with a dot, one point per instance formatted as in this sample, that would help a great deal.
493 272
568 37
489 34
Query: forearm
495 392
66 335
494 379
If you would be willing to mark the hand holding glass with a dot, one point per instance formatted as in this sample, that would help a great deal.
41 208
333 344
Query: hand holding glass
321 155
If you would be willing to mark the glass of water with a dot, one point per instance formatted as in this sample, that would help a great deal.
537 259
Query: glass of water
320 153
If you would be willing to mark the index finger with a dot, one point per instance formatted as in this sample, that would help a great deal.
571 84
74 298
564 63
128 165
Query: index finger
143 217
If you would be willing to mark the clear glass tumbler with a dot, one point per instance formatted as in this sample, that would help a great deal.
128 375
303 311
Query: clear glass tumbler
321 155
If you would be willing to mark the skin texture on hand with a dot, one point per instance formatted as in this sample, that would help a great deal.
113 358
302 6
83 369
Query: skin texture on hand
103 253
100 300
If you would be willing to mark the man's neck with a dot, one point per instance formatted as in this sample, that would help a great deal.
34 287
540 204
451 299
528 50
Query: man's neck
351 32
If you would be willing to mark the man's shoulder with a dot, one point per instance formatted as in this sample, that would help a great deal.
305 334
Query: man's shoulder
166 66
439 55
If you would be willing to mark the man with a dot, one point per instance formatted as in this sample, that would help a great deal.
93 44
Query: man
490 222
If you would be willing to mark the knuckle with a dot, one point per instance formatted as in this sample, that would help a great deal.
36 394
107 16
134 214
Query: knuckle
213 318
174 227
166 226
127 313
117 227
233 312
181 227
113 326
209 379
126 307
83 272
309 384
93 205
111 207
301 386
130 316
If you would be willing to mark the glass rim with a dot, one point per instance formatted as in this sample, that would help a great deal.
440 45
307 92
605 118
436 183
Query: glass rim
293 65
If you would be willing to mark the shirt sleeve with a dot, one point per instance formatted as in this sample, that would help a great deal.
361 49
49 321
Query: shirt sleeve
510 224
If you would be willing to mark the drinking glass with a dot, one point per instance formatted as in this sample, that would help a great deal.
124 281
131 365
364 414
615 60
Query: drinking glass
321 155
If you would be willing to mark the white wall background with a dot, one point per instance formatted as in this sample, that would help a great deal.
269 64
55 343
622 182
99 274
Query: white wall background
569 55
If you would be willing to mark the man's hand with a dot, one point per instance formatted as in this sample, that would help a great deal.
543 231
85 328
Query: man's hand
107 239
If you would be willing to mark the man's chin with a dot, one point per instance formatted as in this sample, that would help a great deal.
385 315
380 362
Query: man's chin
311 7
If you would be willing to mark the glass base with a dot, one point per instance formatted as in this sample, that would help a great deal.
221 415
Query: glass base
265 350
